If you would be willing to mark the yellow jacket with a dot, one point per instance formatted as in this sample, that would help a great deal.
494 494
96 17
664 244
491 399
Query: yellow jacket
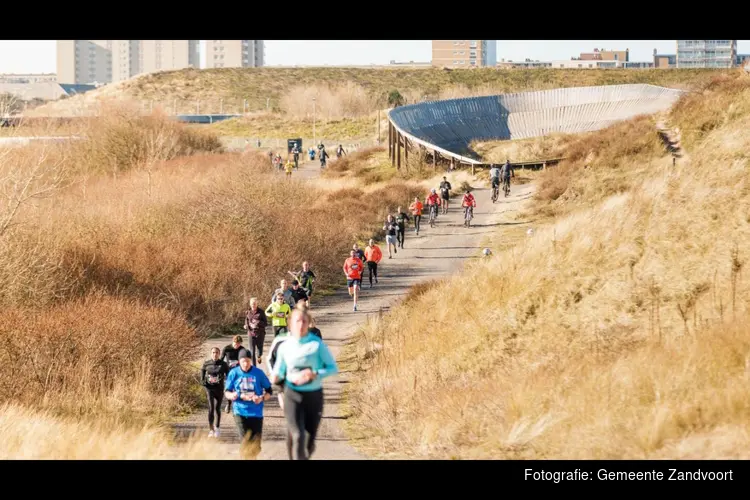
289 166
278 313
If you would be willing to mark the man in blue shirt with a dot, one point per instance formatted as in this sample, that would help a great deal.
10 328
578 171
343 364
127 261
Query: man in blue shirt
248 387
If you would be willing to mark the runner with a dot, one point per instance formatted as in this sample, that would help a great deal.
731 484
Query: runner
256 322
360 253
416 211
303 361
306 278
374 255
445 190
340 151
353 268
230 354
314 329
248 387
298 293
279 312
286 291
289 168
323 156
213 374
391 228
296 152
401 219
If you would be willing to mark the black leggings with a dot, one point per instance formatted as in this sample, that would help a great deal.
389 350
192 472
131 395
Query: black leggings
214 395
400 235
303 412
417 218
257 343
250 430
373 268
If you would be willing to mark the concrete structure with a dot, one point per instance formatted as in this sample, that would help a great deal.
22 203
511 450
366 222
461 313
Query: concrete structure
46 91
742 59
464 53
106 61
706 53
27 78
235 53
665 60
447 128
165 55
606 55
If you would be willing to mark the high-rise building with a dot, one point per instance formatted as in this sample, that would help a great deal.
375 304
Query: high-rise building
706 53
464 53
84 61
161 55
235 53
106 61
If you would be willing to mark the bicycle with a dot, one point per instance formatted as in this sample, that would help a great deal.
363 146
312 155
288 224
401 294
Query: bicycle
468 215
495 191
506 186
433 215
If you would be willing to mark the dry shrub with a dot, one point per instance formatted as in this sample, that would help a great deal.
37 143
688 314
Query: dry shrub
346 100
99 353
120 138
619 332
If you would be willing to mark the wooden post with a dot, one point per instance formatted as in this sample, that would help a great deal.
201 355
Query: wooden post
390 141
398 150
434 160
406 149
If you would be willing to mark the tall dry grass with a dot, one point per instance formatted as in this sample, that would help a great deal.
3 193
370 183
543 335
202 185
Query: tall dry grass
41 435
619 331
345 100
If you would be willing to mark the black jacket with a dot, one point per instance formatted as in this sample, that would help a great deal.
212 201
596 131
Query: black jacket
214 373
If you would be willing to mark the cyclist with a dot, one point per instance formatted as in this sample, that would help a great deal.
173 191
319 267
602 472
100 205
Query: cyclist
213 375
303 360
391 228
279 312
373 254
494 178
445 189
230 355
249 388
255 324
507 172
353 268
416 211
433 201
468 203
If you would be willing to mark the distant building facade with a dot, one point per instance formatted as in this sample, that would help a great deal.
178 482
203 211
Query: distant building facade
27 78
606 55
464 53
706 53
235 53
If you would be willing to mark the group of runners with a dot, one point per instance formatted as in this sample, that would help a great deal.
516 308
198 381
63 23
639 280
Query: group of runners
299 359
292 159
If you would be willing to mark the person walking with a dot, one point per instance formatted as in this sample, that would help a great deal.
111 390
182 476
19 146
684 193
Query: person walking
304 360
248 387
279 312
373 254
256 322
391 228
213 375
353 269
401 219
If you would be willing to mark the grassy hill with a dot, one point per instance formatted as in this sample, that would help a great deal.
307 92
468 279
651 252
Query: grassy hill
618 330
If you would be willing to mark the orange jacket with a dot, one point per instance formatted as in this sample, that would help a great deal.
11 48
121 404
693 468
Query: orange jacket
353 267
416 208
373 254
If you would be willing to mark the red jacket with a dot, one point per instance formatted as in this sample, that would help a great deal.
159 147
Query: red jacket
353 267
433 199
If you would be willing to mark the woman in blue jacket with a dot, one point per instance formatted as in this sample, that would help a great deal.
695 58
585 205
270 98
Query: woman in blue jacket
302 362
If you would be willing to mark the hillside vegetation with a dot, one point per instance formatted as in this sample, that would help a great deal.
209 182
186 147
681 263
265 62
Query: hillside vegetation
618 330
281 102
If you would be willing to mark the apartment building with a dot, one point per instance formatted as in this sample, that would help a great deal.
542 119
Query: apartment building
606 55
28 77
106 61
84 61
235 53
464 53
706 53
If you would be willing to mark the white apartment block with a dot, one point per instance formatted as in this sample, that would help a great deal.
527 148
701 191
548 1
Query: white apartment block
106 61
235 53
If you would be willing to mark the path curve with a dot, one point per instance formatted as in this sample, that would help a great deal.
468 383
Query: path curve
435 253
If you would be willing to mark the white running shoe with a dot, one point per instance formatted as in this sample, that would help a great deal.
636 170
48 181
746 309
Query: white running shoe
211 434
217 432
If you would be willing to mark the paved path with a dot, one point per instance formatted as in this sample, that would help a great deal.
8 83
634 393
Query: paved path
434 253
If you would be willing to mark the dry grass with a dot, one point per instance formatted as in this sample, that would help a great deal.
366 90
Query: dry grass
39 435
234 90
619 331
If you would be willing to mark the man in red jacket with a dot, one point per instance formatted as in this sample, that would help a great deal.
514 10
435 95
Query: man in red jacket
353 268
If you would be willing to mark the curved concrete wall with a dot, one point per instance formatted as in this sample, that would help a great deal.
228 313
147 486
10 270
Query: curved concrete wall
451 125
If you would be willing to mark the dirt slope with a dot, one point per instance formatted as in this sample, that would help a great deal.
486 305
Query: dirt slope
436 252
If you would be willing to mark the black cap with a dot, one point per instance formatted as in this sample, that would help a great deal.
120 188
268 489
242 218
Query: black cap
244 354
295 282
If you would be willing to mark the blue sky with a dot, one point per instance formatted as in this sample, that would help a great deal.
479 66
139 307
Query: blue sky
38 56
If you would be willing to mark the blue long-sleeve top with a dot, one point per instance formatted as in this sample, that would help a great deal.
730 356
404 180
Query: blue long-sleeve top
295 355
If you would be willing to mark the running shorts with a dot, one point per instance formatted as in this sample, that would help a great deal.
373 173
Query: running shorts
351 282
